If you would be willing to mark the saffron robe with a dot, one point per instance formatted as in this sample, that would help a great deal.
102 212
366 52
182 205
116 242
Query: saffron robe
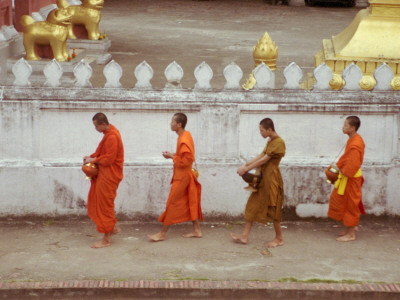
184 199
347 207
265 205
109 158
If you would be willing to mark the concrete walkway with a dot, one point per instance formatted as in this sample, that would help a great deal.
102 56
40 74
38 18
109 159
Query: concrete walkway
58 251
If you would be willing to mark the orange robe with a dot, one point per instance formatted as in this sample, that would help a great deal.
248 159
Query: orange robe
347 207
109 157
183 203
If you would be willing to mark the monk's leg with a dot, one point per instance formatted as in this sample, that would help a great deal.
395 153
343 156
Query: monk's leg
278 240
196 231
344 232
244 237
158 237
349 236
116 230
104 242
351 217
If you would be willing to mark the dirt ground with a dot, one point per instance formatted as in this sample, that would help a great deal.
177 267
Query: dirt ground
47 249
216 31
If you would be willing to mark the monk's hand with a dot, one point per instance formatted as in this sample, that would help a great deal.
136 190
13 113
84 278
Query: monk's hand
242 170
87 159
167 154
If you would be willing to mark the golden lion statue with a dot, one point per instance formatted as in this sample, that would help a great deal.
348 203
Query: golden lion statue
53 32
88 14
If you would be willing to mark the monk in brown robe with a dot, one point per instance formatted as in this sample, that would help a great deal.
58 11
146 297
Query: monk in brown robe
109 159
345 202
183 203
265 204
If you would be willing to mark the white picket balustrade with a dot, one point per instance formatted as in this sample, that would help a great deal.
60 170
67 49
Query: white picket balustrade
263 75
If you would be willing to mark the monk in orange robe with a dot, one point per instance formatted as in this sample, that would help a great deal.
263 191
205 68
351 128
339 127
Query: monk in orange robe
345 203
109 159
183 203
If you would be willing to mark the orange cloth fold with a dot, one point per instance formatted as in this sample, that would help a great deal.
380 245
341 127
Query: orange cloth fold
184 199
109 157
347 207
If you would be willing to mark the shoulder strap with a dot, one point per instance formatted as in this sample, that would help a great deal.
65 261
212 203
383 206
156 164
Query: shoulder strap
338 154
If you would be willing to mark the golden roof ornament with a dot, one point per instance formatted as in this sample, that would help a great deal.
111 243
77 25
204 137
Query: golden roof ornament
371 39
264 52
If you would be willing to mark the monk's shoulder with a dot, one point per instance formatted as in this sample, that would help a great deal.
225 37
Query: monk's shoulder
357 142
276 144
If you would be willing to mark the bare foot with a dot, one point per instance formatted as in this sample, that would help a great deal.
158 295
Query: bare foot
346 238
116 230
344 232
101 244
274 243
238 238
158 237
193 235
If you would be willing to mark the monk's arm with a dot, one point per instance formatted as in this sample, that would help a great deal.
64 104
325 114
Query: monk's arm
258 157
184 160
258 163
253 164
110 152
352 163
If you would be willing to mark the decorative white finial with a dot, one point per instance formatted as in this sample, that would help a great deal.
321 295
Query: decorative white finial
232 73
143 73
383 75
22 71
352 75
53 73
83 72
323 74
113 73
293 75
203 74
263 76
174 74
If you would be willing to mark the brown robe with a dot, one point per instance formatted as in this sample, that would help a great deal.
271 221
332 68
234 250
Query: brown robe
265 205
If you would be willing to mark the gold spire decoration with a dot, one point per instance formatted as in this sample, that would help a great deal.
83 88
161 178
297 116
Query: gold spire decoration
371 39
264 52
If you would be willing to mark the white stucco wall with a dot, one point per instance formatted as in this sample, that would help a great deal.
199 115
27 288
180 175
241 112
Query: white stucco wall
46 132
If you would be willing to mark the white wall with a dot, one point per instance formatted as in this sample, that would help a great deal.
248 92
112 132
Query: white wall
46 132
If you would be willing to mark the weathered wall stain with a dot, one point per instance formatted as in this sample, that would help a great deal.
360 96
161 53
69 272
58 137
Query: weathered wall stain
65 197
